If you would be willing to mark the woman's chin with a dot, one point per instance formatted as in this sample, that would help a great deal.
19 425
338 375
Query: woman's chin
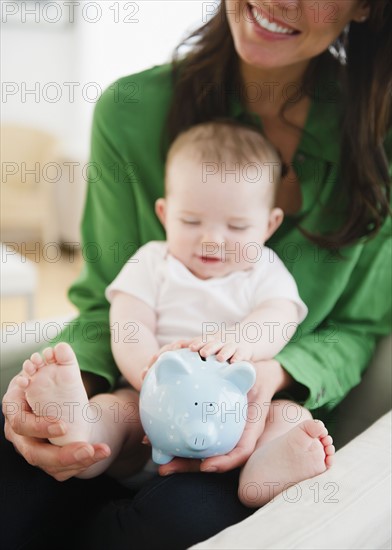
257 57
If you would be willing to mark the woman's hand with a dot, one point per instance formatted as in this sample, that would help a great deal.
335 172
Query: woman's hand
270 378
28 433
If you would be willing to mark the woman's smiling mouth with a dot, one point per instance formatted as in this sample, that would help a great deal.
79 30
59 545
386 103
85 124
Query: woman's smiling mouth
264 22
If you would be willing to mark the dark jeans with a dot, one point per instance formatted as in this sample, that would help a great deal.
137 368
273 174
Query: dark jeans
173 512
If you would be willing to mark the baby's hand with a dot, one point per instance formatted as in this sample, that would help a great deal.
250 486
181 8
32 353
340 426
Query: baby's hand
224 350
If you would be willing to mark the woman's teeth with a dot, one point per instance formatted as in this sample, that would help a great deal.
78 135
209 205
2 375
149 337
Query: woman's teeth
265 24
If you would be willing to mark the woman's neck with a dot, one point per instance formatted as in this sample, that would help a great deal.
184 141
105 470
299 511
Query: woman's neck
267 90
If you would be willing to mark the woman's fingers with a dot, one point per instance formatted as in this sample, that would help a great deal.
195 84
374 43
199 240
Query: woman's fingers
73 459
28 434
22 421
239 455
222 463
180 465
235 459
59 462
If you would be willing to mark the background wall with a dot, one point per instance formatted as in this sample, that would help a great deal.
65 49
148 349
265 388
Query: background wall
57 57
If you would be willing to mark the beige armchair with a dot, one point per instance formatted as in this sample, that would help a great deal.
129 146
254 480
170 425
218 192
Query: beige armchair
29 174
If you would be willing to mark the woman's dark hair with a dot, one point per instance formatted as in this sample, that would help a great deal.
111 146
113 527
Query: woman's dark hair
208 75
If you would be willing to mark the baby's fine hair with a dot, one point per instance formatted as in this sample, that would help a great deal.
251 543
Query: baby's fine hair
229 144
226 141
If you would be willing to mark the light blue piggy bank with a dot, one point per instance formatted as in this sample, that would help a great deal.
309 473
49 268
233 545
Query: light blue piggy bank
192 407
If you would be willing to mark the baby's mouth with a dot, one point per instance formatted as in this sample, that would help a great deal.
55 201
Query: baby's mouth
210 259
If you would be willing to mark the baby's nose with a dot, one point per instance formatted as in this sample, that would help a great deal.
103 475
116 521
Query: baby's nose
213 236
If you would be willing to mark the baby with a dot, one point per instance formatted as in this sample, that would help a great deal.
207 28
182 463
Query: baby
212 286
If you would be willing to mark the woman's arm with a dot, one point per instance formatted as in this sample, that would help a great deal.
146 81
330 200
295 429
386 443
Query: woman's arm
330 360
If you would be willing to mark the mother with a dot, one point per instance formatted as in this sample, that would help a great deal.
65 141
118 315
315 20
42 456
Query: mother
281 66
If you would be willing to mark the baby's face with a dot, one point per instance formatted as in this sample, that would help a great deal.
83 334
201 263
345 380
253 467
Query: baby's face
216 223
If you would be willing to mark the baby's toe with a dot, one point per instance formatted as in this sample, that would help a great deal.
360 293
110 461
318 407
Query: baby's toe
28 368
63 354
314 428
22 381
329 460
327 440
48 353
329 450
37 360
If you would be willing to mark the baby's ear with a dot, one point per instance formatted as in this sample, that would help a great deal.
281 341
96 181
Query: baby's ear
275 219
160 210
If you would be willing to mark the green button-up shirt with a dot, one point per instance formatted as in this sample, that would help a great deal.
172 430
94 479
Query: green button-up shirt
349 297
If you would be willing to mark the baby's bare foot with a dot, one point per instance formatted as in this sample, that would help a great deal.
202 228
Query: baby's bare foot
54 388
303 452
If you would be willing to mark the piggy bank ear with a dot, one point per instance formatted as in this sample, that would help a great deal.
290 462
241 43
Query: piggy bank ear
170 365
241 374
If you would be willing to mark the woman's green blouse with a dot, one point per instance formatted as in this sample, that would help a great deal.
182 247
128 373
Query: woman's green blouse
348 296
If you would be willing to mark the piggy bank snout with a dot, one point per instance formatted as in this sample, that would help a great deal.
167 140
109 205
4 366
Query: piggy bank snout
199 441
199 438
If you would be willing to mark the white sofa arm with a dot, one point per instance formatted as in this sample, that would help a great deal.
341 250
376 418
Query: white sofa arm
347 507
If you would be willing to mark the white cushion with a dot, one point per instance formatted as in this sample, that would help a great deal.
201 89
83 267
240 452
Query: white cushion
347 507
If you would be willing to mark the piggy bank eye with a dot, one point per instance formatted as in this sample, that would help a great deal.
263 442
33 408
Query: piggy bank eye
196 404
